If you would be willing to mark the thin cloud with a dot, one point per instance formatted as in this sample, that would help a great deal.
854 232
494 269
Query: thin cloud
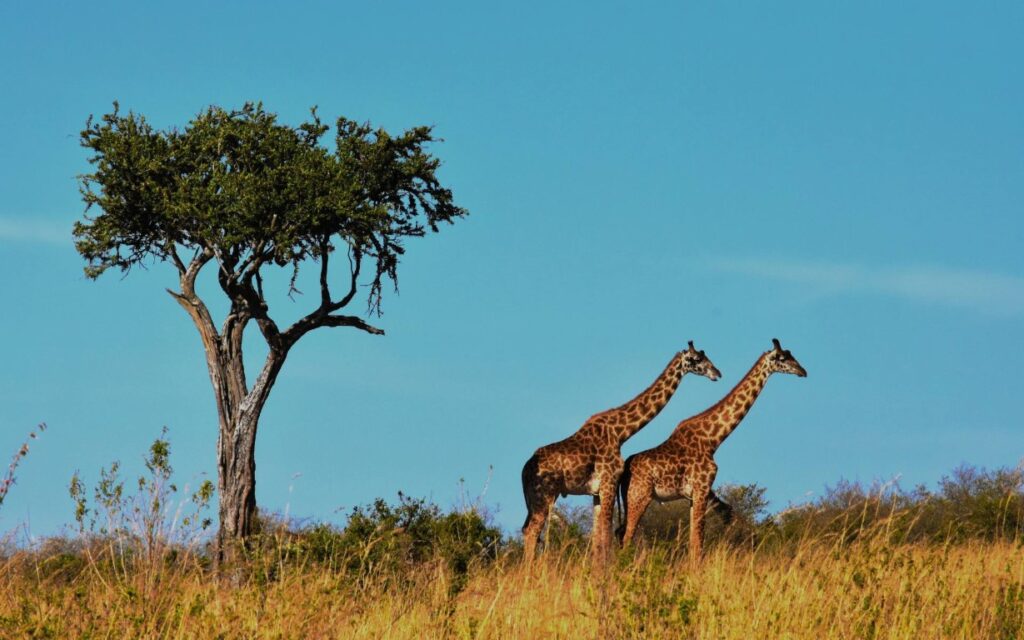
983 291
34 230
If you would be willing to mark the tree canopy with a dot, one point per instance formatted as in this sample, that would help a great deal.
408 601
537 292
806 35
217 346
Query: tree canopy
239 190
244 190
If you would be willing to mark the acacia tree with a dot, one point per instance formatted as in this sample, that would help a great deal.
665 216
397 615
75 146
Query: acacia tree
241 193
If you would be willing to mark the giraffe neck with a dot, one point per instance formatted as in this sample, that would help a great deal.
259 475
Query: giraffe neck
642 409
725 416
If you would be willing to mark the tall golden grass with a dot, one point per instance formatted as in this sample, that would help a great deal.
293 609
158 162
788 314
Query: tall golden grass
857 563
871 588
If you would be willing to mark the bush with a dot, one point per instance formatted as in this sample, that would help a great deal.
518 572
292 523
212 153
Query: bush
385 540
568 529
970 503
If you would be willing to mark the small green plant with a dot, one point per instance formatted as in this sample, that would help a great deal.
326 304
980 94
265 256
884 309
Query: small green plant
142 522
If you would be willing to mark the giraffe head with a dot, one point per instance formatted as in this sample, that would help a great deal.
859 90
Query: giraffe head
696 362
780 360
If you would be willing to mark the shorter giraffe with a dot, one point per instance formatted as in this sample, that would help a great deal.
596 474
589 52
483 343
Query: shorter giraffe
589 461
684 465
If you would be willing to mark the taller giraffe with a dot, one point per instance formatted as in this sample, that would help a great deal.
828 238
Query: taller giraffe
589 462
684 465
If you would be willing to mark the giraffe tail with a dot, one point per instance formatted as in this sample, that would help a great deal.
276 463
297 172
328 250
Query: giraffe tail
620 497
529 477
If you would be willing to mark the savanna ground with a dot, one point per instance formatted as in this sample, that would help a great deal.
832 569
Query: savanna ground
859 562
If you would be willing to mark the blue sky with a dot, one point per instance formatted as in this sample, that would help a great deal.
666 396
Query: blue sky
849 179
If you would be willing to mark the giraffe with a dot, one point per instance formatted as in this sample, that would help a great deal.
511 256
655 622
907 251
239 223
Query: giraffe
589 461
684 465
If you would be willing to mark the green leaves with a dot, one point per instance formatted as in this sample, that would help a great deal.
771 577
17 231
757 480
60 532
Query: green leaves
255 192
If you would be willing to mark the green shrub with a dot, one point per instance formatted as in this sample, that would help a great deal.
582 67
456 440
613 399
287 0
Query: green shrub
382 539
969 503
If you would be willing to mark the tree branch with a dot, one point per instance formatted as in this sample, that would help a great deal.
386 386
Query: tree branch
325 289
256 308
351 321
173 253
321 317
193 304
247 302
250 267
355 262
188 278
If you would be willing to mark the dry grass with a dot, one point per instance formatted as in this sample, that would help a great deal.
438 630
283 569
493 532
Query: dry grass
870 589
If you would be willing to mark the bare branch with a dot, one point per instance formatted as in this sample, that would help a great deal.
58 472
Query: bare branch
173 253
256 308
259 287
325 290
250 267
355 262
187 297
291 282
247 301
321 317
188 279
351 321
225 270
194 306
271 333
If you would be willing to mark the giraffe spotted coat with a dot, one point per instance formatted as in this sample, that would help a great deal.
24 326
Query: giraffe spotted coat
684 465
589 462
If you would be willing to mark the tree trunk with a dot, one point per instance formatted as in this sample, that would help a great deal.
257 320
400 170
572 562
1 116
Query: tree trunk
236 485
238 413
236 450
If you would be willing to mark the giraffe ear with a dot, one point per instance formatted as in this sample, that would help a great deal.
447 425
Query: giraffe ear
775 343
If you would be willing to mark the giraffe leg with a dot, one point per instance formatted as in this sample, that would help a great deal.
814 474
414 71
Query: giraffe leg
604 506
538 505
538 515
638 497
697 509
